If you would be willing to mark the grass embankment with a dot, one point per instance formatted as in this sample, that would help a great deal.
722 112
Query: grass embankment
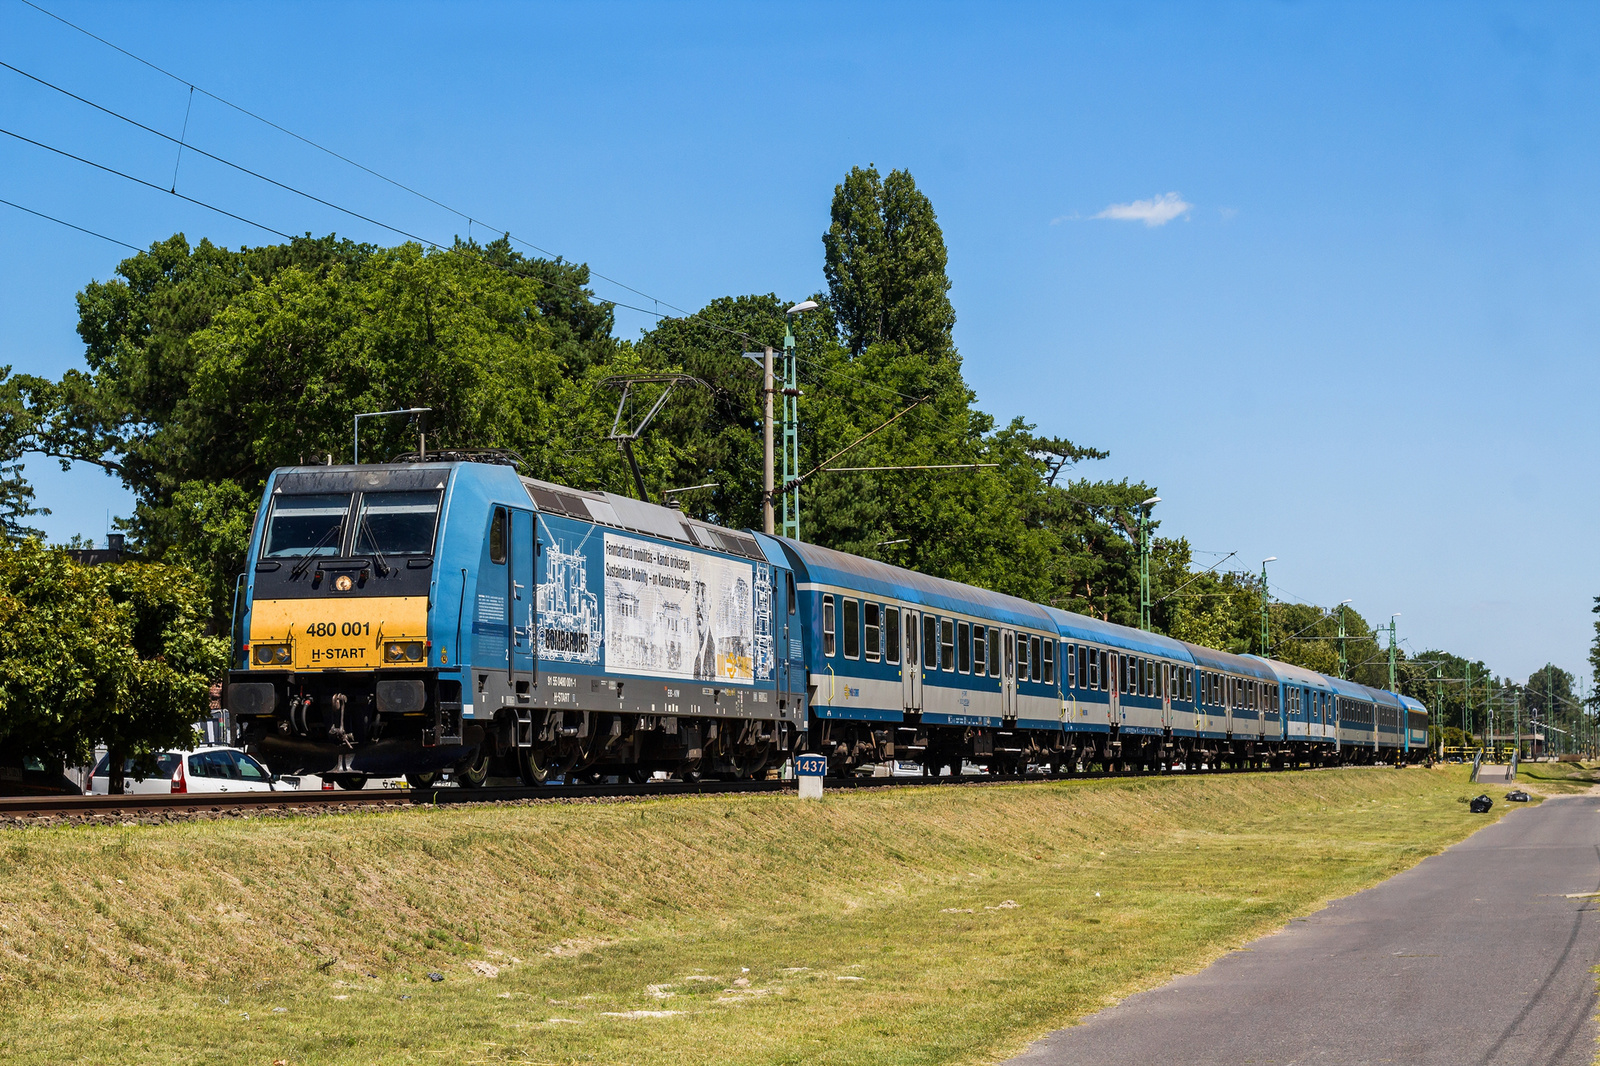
1555 778
935 925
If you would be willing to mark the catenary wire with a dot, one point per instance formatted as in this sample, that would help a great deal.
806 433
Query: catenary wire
146 184
346 159
69 225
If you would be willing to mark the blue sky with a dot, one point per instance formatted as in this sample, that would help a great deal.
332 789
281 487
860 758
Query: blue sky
1353 325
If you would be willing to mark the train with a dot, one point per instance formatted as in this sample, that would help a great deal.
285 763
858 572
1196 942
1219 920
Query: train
453 617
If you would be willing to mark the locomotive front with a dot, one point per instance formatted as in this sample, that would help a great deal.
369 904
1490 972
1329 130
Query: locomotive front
336 673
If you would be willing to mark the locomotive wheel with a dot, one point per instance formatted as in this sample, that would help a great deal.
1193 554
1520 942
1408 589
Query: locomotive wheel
473 771
353 782
421 780
532 767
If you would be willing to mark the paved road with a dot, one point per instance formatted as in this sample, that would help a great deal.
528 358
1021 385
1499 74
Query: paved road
1474 956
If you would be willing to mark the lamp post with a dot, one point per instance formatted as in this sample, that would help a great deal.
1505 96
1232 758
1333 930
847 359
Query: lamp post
791 428
356 425
1264 600
1144 561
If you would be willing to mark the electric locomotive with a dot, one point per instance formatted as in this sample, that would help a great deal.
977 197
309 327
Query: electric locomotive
409 618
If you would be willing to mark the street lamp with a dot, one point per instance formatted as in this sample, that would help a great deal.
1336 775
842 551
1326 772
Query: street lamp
791 428
356 430
1144 561
1264 600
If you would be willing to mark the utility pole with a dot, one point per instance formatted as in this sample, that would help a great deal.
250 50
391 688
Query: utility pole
1392 617
1550 695
1264 601
766 434
1438 706
1466 704
1144 561
1344 665
791 424
1516 721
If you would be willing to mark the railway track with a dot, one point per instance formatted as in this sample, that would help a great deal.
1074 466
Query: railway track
163 807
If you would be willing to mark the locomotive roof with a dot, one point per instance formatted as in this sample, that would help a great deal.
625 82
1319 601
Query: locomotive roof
828 567
624 512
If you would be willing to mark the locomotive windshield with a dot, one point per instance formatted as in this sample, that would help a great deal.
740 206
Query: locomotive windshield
397 523
307 525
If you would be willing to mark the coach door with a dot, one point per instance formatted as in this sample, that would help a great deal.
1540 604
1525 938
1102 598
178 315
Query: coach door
1008 675
911 665
520 596
1166 672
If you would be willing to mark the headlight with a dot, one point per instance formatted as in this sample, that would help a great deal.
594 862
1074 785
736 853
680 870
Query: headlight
403 651
272 654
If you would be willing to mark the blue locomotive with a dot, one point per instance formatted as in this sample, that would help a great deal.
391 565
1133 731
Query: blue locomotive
415 617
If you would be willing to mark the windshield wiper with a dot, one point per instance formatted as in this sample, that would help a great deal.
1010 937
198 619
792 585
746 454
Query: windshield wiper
372 538
299 568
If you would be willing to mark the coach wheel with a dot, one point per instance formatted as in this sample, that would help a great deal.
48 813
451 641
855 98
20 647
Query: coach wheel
473 771
532 767
421 780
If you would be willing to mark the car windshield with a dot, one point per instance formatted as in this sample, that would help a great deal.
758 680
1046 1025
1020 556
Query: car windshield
247 768
306 525
397 523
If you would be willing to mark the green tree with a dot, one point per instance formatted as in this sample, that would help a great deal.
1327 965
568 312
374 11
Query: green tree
885 264
113 655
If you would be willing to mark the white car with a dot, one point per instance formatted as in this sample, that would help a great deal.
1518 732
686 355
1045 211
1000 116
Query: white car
212 768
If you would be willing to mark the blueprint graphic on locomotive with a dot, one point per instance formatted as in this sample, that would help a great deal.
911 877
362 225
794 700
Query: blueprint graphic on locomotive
681 613
569 614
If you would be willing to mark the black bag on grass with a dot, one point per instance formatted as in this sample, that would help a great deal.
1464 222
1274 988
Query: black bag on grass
1480 805
1516 795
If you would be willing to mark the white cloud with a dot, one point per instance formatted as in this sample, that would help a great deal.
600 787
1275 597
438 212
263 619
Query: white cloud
1156 212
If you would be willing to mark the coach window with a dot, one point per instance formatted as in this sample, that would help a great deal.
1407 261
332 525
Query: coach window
874 631
852 629
1188 684
1069 663
1083 667
891 634
947 645
994 652
980 649
1049 662
930 642
827 626
497 536
964 647
792 604
1022 657
1034 667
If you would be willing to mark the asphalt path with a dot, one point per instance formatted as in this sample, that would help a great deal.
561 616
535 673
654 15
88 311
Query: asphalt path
1481 954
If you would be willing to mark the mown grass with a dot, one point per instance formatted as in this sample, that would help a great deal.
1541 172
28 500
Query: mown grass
943 925
1556 778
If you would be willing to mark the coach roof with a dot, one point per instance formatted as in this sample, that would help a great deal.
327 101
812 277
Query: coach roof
824 566
1082 627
